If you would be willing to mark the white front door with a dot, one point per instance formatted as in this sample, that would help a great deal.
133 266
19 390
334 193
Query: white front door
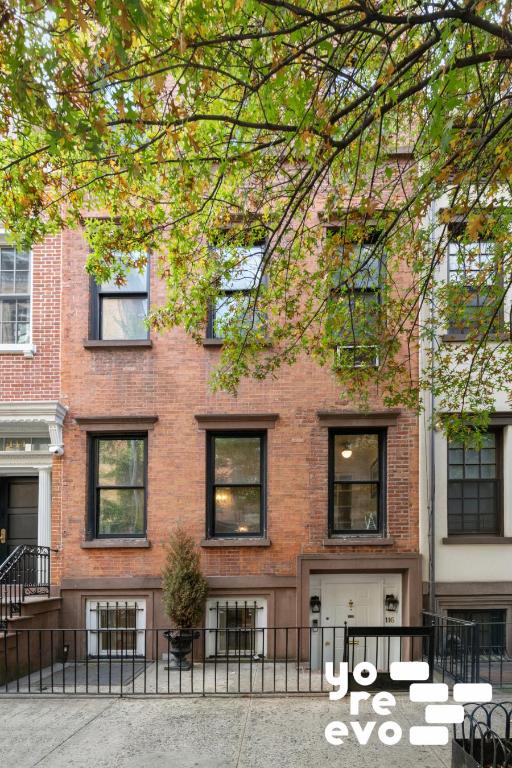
359 605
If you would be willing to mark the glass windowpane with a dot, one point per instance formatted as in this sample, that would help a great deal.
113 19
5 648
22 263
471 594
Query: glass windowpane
123 318
7 259
237 460
355 506
22 282
237 510
245 273
356 457
136 282
121 512
121 462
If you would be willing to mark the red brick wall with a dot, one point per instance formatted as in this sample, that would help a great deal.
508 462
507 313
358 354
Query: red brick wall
171 381
38 378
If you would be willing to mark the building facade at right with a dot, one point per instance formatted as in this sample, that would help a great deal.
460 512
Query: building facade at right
466 491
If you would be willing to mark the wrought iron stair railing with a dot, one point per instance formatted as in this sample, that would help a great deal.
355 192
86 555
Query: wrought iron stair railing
24 573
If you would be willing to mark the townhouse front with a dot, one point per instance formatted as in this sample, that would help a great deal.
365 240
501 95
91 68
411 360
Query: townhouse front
304 508
466 493
31 412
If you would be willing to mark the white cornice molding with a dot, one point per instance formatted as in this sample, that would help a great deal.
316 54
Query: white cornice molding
13 461
49 412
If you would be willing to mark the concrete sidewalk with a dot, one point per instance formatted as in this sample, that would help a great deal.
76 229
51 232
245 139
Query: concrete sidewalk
198 733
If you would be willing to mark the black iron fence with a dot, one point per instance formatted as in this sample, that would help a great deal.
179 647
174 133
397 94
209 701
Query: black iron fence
24 573
469 651
117 660
482 740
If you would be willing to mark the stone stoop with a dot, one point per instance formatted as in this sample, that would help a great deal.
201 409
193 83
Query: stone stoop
37 612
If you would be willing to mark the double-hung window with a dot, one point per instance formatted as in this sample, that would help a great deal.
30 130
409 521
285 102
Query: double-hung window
360 283
119 311
472 271
474 488
357 481
14 296
118 486
234 300
236 495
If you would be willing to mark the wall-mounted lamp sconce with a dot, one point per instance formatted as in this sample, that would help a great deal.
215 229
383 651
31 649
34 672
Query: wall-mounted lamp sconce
315 604
391 603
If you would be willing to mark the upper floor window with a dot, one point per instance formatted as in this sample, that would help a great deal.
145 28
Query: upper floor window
474 487
236 483
118 486
119 311
357 487
235 290
14 296
362 281
472 269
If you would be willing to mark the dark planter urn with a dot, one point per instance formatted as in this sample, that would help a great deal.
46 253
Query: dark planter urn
180 645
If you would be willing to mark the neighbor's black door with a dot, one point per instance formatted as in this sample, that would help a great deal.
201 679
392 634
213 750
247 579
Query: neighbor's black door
18 513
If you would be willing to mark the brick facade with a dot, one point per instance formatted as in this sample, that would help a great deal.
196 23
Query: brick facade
170 381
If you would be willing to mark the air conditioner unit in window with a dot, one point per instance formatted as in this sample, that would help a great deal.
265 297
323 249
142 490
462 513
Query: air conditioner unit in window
356 355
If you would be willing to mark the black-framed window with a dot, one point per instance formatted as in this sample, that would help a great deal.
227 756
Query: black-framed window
236 483
118 484
357 461
14 296
119 311
474 487
471 267
361 279
236 290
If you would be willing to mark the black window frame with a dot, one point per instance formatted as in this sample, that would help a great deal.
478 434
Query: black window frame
360 352
498 482
379 531
211 485
96 302
210 325
93 487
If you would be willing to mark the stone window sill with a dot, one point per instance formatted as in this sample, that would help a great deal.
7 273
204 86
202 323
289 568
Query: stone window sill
27 350
482 540
215 343
359 541
236 542
115 544
118 344
463 337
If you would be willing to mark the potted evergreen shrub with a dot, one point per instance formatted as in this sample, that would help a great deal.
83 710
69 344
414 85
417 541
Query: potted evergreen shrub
184 592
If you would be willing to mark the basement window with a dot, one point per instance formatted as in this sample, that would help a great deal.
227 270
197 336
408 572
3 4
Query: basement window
236 627
116 627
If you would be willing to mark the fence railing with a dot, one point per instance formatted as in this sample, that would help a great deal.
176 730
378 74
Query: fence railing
231 661
482 740
494 658
469 651
25 572
456 647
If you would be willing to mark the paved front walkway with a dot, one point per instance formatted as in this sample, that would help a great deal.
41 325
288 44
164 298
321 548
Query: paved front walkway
197 733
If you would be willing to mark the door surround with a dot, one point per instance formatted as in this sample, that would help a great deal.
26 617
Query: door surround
408 564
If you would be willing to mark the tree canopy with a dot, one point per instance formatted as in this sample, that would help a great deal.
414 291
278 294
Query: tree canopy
363 146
